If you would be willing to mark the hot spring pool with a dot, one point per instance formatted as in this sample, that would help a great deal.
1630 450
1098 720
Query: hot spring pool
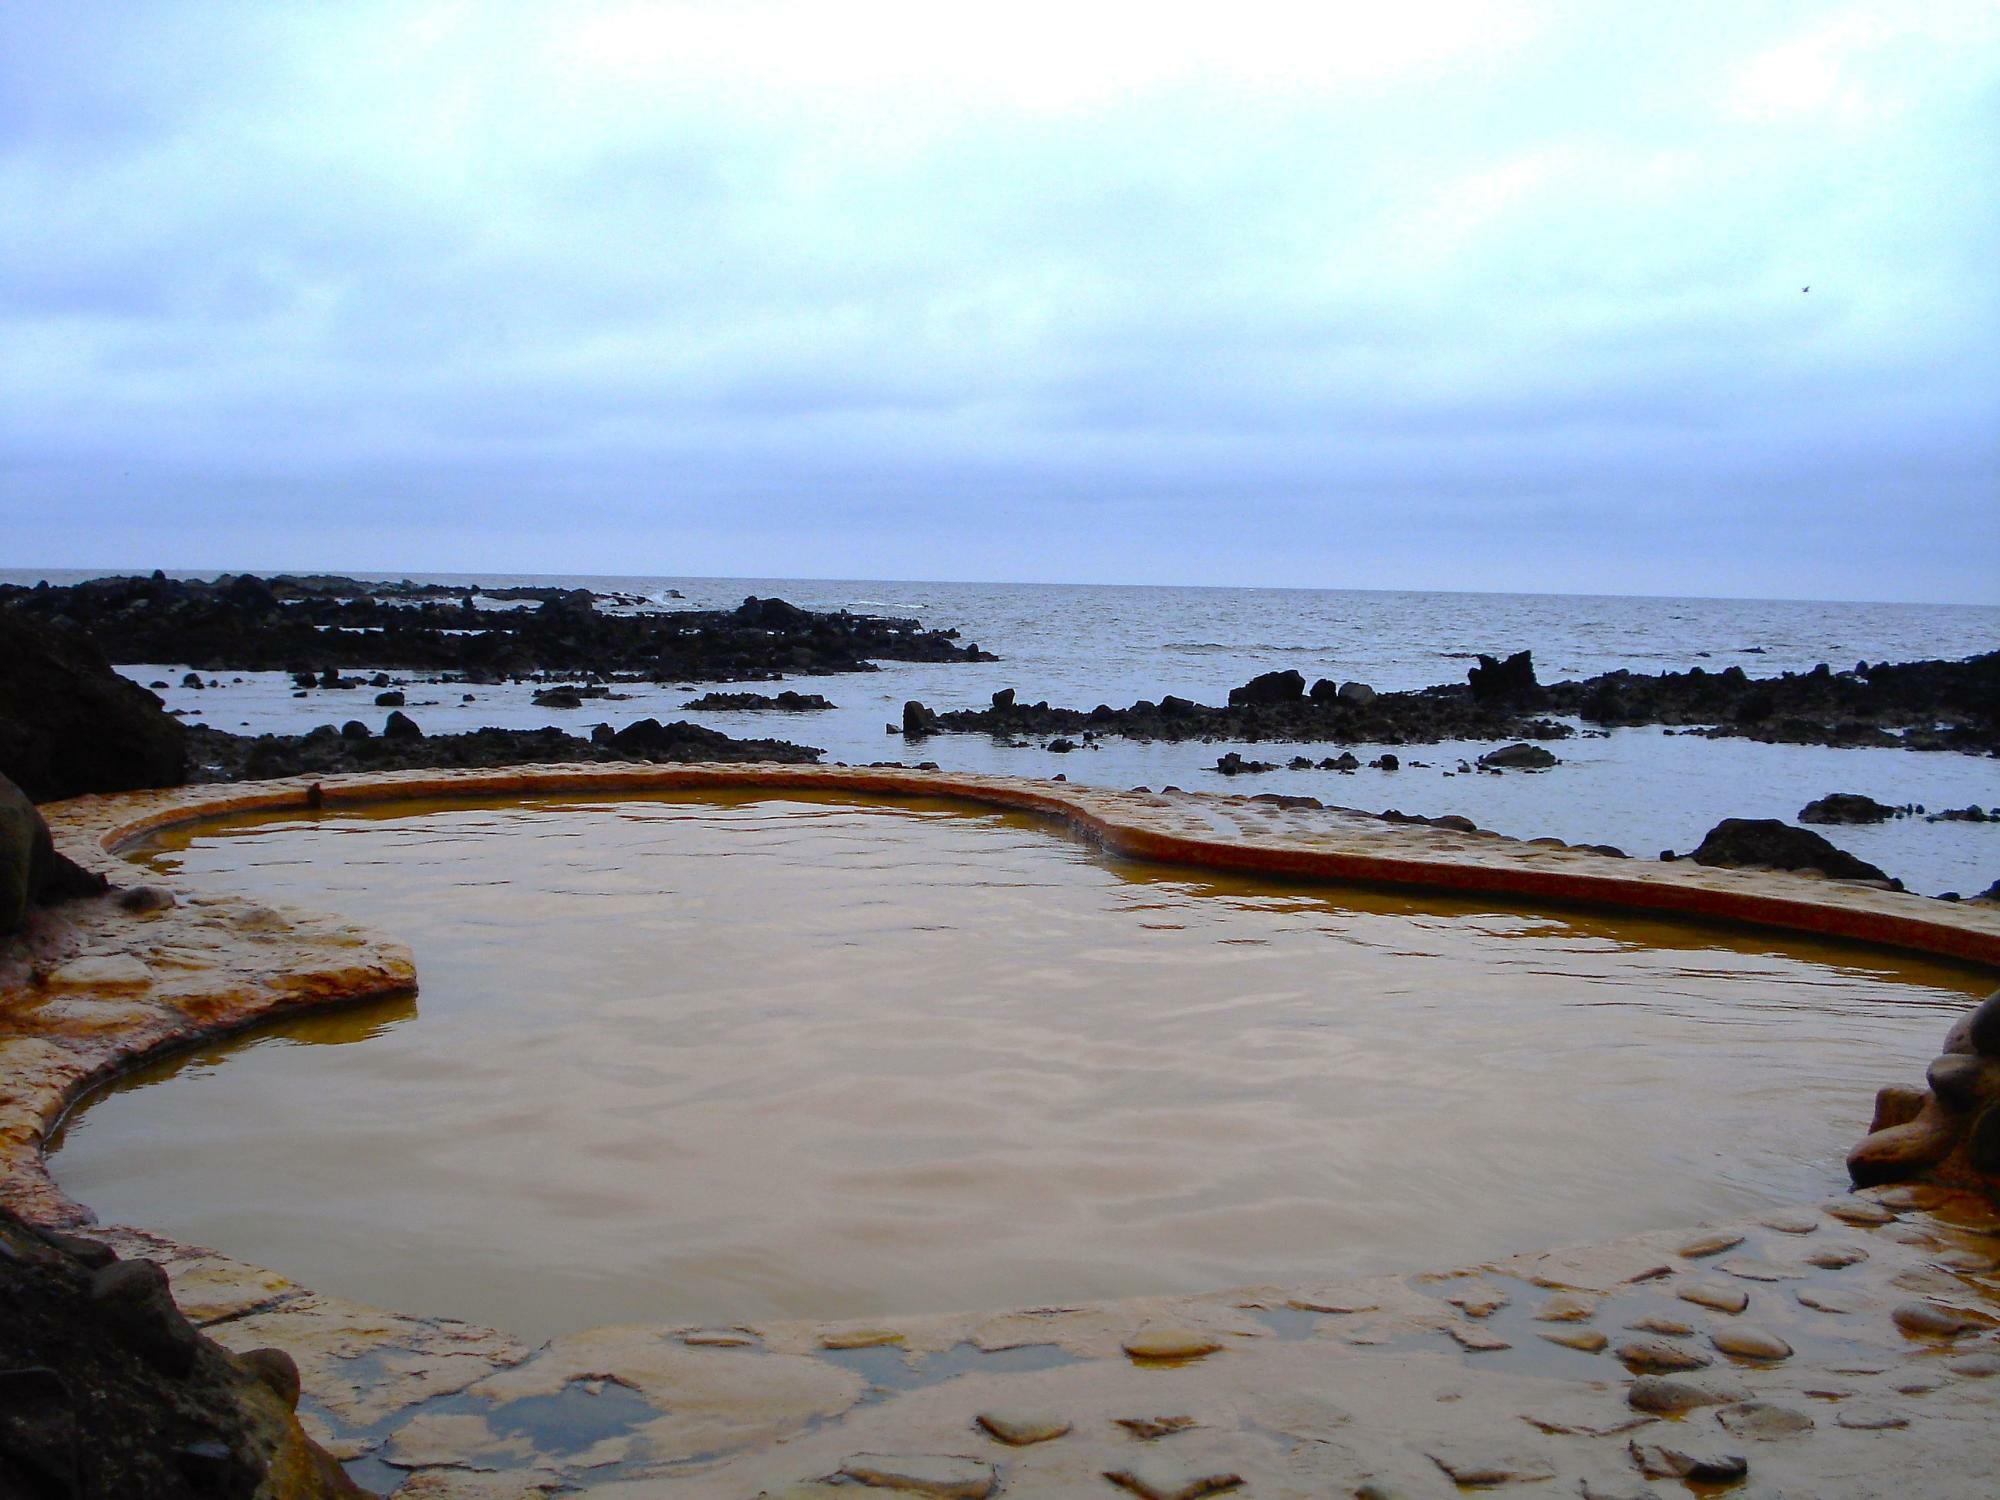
728 1057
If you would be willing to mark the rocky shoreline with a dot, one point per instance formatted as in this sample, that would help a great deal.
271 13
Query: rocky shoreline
1930 705
242 622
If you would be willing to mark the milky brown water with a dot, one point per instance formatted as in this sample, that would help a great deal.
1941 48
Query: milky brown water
725 1058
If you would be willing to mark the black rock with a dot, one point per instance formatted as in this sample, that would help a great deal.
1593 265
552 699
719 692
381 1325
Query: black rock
1270 687
1510 681
391 699
918 721
1779 846
1846 807
69 724
400 726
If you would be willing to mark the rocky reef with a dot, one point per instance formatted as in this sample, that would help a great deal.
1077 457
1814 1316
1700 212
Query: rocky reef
402 745
1917 705
1948 1133
242 622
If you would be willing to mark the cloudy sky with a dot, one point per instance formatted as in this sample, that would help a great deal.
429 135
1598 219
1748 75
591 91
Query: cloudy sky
1453 295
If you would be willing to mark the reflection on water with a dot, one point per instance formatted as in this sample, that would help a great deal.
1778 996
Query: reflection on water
726 1058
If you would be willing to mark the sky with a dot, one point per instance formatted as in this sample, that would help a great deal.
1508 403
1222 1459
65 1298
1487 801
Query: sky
1426 295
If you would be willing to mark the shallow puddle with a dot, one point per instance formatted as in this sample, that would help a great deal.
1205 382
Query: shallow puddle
724 1058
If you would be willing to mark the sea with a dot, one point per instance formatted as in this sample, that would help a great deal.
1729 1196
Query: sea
1644 790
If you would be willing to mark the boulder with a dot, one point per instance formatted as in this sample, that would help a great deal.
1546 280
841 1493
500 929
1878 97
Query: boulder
1846 807
1519 756
1270 687
400 726
69 724
918 721
1357 694
1775 845
31 871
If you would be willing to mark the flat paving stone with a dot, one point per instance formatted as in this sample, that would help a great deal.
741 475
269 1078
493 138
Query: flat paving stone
1745 1341
1665 1396
1791 1221
1703 1246
1672 1328
1930 1320
1568 1307
1021 1429
1692 1461
1164 1342
1150 1428
1716 1295
1156 1476
1660 1356
1764 1421
1589 1340
1868 1417
860 1338
1478 1465
946 1476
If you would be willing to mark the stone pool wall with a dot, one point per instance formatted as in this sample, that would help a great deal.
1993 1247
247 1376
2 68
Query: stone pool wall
1844 1348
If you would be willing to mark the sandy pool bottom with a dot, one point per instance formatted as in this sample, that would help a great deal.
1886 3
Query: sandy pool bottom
750 1056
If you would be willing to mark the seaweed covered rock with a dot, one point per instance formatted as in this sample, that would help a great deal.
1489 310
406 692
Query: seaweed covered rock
1950 1131
69 724
106 1389
1767 843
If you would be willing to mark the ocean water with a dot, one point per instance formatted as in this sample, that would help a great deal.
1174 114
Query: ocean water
1080 645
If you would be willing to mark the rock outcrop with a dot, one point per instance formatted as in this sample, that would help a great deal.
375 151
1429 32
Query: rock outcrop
32 872
69 724
1949 1132
107 1390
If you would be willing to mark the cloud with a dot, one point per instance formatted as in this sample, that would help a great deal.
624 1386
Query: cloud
1415 295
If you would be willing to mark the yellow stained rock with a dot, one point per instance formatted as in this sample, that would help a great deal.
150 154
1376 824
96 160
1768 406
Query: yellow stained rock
1163 1342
